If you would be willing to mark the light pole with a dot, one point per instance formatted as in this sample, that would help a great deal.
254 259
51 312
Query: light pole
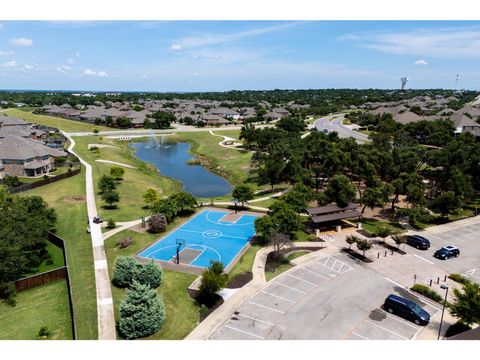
444 287
235 202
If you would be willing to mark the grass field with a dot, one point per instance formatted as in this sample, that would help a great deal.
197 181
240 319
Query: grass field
57 259
135 181
269 275
181 309
370 225
67 197
235 134
246 261
56 122
45 305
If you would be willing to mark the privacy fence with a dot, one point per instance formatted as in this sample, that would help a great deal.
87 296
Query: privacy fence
49 180
50 276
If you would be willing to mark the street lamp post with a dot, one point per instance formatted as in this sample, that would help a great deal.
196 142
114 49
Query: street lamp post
444 287
235 201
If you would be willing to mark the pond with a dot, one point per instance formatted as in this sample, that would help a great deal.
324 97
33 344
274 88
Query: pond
171 160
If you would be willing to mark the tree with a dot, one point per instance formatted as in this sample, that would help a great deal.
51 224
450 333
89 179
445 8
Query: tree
96 131
111 197
265 227
364 245
294 124
284 217
157 223
106 183
111 224
351 239
150 196
166 207
117 172
185 203
11 181
162 119
383 232
399 239
142 313
270 172
466 304
373 197
243 193
124 271
340 190
148 274
299 197
213 280
445 203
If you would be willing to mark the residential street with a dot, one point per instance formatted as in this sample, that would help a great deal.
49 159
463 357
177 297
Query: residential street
334 123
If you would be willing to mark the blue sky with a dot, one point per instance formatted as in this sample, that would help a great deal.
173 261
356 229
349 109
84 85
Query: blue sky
226 55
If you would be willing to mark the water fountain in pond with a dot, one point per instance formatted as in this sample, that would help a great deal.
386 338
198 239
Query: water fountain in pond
159 144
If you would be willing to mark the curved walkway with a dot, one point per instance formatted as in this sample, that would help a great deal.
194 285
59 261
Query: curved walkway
216 319
227 138
105 313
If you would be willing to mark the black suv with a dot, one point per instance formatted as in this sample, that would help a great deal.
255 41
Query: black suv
406 309
447 252
418 242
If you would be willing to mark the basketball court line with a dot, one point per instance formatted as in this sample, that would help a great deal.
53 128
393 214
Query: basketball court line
206 237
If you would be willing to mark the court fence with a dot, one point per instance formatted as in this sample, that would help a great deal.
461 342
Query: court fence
50 276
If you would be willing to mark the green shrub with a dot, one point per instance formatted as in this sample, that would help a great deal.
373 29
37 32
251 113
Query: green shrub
203 310
456 329
427 292
43 332
148 274
111 224
142 313
459 278
124 271
213 280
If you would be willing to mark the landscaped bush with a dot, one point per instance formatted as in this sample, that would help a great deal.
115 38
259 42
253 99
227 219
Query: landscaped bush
213 280
157 223
142 313
124 271
111 224
427 292
148 274
459 278
43 333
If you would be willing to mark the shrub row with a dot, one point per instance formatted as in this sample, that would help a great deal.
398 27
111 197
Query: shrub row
427 292
459 278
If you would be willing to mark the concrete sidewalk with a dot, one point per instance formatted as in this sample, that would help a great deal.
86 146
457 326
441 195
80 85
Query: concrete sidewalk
105 313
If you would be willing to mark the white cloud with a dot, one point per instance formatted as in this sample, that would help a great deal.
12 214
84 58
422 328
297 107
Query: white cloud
176 47
28 67
421 62
9 64
143 76
71 61
6 53
214 39
21 42
77 54
461 42
90 72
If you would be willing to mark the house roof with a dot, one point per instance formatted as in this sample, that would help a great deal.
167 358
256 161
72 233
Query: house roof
330 209
19 148
335 216
23 131
407 117
473 334
12 121
34 165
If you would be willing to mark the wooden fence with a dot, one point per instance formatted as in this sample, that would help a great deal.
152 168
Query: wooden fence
43 182
52 275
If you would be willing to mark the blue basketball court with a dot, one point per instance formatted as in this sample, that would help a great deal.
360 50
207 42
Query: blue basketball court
209 235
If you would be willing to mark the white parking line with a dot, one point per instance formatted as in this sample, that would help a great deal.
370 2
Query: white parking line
308 282
363 337
256 319
393 282
314 273
279 297
244 332
291 288
418 256
400 320
266 307
390 331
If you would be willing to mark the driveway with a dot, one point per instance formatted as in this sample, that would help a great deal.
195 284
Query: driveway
335 123
326 298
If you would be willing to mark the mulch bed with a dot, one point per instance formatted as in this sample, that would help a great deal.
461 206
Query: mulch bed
211 309
365 233
240 280
356 255
392 248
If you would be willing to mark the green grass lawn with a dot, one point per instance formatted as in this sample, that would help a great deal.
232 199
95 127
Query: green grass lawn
263 203
45 305
232 164
135 181
67 198
245 263
56 122
297 254
370 225
235 134
57 259
269 275
181 309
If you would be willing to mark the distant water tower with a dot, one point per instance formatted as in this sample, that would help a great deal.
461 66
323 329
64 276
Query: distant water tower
404 82
456 82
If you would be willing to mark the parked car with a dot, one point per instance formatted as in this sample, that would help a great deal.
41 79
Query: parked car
447 252
406 309
418 242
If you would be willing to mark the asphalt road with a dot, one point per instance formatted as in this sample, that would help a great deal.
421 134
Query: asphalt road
334 123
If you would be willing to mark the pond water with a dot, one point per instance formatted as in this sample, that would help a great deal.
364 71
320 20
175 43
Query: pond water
170 159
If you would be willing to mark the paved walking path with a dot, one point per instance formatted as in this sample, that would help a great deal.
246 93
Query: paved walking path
227 138
105 314
120 227
115 163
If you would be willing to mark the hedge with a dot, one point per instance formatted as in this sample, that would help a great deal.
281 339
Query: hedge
427 292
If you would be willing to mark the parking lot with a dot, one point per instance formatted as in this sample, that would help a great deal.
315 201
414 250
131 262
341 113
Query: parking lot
329 297
466 237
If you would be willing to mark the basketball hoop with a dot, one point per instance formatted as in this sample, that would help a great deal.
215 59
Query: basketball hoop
180 243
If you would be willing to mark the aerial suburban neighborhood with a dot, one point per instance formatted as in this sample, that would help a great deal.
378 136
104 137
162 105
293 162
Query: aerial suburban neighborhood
295 213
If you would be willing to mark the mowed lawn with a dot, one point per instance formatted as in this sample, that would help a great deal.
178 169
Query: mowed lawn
181 310
232 164
56 122
135 181
67 197
45 305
